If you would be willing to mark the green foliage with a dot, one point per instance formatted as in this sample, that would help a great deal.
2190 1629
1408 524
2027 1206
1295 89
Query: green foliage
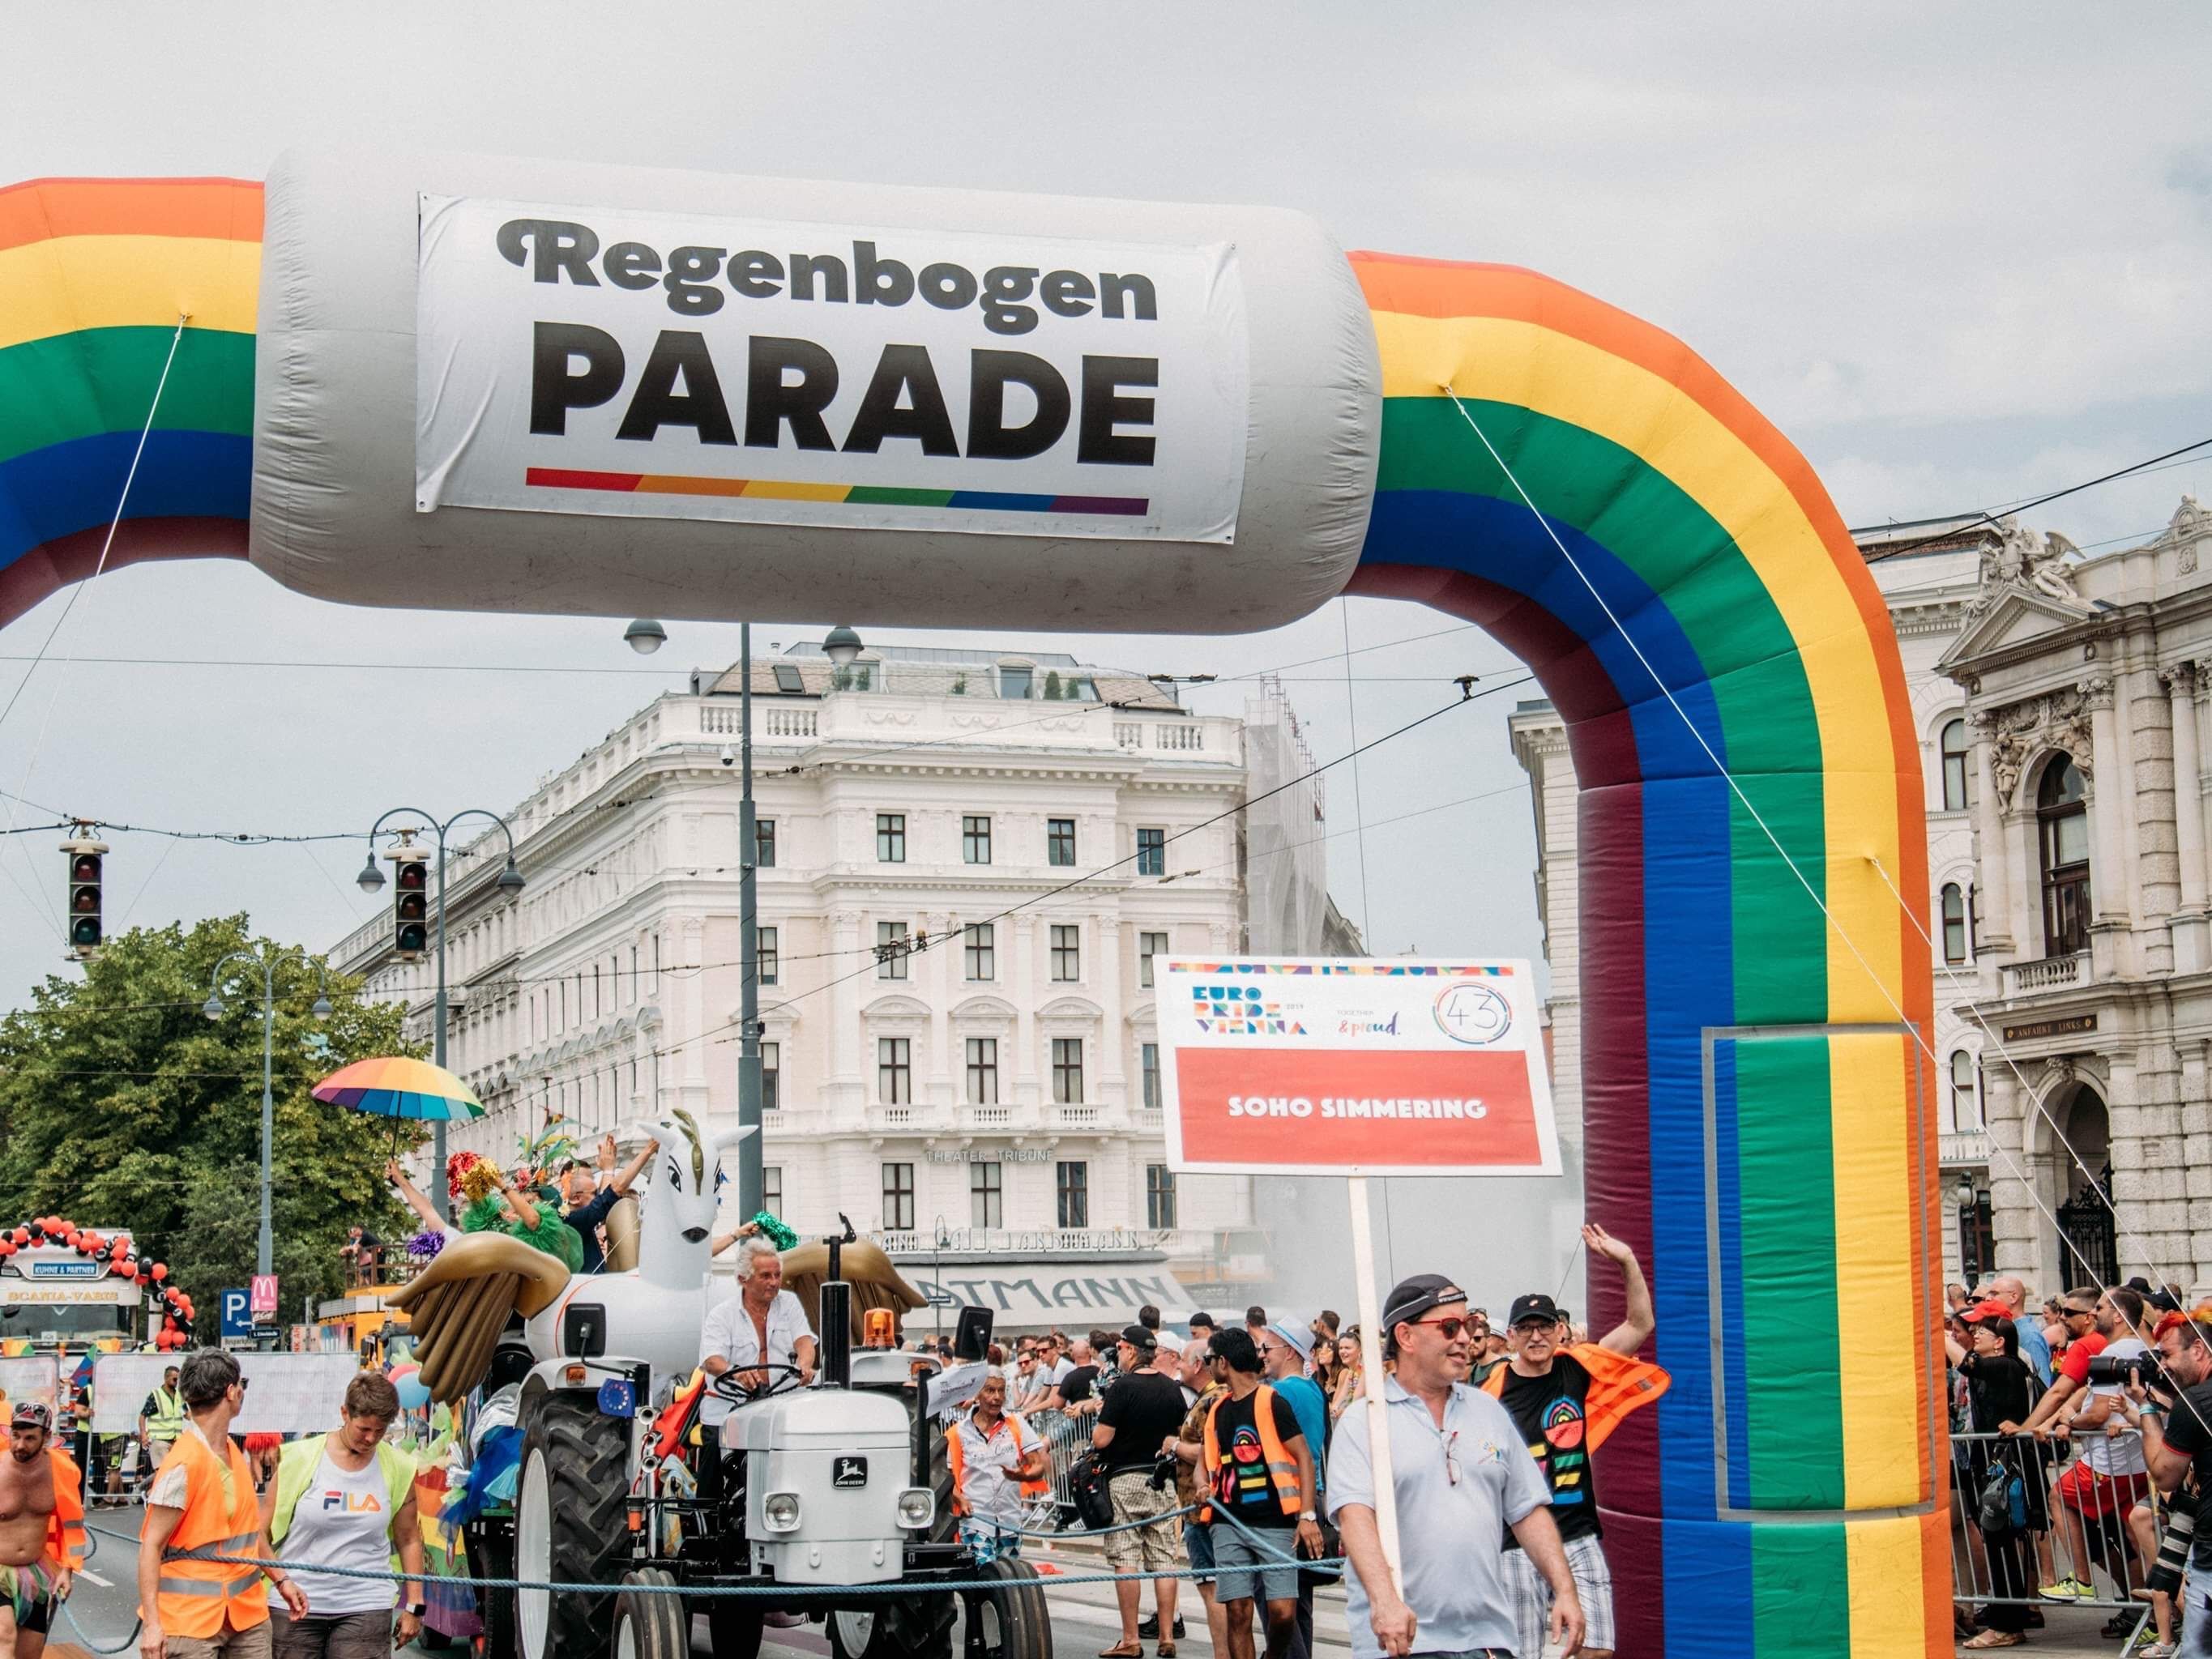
1052 685
123 1105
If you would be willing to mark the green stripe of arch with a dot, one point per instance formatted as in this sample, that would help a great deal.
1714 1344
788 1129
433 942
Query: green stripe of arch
102 380
1772 744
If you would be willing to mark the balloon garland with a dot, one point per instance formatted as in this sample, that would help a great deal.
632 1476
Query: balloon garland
122 1262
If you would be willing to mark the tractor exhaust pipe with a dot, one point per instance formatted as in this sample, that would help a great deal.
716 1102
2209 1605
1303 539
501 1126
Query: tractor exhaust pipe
837 1333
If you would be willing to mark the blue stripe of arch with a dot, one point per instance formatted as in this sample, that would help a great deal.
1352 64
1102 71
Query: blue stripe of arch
65 488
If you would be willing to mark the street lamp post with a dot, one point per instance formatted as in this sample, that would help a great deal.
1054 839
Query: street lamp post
371 878
1970 1263
268 962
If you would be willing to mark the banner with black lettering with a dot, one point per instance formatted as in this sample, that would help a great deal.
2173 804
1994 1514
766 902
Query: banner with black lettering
658 365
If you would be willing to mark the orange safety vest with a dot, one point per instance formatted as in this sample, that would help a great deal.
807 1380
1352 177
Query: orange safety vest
1618 1384
65 1527
956 1455
195 1596
1282 1467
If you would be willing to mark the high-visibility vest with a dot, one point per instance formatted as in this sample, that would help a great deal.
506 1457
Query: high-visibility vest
1282 1467
296 1465
195 1596
956 1455
166 1421
65 1527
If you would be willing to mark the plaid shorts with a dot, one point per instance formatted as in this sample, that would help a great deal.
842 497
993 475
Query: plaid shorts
1141 1549
1532 1597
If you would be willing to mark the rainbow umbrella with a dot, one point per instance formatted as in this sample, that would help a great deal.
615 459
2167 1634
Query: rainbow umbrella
389 1087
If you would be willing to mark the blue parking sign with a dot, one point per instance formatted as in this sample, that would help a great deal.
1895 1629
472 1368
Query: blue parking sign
237 1316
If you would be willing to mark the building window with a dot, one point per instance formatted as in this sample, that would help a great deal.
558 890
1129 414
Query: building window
975 840
789 680
1059 841
980 948
1954 745
2062 812
1148 1058
890 950
771 1066
765 954
983 1070
1016 683
1152 852
895 1070
1159 1196
1954 923
1074 1195
898 1198
1965 1110
765 843
1067 1071
1148 946
986 1195
890 838
771 1190
1066 952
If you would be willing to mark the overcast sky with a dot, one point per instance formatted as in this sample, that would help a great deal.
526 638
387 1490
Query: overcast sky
1960 256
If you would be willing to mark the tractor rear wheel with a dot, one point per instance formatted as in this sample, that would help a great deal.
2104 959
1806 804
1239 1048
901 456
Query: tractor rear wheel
571 1523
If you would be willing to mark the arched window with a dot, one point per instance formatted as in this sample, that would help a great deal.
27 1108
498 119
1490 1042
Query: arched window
1954 744
1954 923
2062 812
1965 1109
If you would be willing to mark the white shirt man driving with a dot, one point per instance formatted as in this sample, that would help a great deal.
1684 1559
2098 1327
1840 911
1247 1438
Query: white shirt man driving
761 1324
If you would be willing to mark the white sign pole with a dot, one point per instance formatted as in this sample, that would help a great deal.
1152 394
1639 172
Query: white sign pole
1371 1377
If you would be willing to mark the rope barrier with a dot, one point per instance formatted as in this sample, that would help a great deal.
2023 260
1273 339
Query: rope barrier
785 1592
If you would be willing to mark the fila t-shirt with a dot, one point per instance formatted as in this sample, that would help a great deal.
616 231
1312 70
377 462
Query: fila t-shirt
1551 1412
343 1519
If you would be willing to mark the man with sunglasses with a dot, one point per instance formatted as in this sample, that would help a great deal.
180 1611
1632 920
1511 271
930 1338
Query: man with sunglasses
1565 1398
1462 1478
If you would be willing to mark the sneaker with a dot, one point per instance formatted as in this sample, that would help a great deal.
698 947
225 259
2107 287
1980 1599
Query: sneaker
1148 1628
2067 1589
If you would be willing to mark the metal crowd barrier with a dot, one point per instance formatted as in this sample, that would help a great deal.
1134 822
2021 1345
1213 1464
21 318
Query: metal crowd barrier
2066 1541
1066 1437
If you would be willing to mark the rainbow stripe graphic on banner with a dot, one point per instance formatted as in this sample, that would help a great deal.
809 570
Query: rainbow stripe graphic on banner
783 489
1815 1529
93 274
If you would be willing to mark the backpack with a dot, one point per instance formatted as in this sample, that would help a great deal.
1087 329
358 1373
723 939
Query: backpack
1090 1488
2002 1507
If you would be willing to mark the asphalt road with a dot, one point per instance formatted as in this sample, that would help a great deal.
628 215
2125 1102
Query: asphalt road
104 1607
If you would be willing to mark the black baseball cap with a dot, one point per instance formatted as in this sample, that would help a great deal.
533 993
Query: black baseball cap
1412 1297
1139 1338
1532 1306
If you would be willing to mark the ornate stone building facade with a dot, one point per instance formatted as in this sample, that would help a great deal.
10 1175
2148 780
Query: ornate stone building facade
2085 682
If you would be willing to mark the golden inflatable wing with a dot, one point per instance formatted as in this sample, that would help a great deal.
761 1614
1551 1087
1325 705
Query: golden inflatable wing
875 1282
457 1307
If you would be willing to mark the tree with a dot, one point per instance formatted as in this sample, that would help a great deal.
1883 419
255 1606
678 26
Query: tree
122 1105
1052 685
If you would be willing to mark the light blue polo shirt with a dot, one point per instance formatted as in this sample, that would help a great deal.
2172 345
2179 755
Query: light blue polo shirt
1450 1531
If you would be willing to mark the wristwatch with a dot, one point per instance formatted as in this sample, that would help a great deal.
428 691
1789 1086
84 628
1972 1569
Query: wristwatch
418 1608
1308 1514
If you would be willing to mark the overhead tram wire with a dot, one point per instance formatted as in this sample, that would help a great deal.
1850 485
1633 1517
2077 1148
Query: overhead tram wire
1965 521
1787 859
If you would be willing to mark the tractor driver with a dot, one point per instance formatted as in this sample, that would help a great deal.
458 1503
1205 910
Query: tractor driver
761 1324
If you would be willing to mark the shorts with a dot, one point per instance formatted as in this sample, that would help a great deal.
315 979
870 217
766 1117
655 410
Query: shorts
1246 1572
1198 1544
333 1636
1532 1597
251 1643
1145 1548
30 1593
989 1539
2094 1496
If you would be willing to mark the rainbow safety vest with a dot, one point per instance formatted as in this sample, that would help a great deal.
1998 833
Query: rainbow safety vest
1282 1467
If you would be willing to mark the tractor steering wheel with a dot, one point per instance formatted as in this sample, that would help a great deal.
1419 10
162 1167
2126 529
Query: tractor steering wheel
729 1388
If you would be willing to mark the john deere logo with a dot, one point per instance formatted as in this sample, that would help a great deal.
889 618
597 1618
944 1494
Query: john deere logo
849 1472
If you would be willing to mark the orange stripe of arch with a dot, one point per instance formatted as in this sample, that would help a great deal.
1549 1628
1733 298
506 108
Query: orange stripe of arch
227 210
1444 287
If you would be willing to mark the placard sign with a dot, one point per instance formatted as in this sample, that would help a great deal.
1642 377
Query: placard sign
288 1393
1355 1066
574 359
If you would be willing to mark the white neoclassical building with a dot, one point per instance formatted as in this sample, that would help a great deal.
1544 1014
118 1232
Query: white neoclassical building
1929 574
967 860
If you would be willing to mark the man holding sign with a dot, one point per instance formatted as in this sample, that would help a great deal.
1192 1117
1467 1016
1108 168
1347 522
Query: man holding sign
1462 1475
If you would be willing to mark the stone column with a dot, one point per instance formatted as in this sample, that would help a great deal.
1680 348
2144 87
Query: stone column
1992 893
844 1034
1026 966
2014 1220
2106 777
2189 952
944 959
1113 974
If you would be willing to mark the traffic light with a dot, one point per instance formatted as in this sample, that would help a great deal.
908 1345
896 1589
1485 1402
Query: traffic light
411 908
85 856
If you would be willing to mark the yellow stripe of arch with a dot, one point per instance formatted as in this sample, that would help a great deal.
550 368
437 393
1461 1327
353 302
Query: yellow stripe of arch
1568 380
71 282
1889 1609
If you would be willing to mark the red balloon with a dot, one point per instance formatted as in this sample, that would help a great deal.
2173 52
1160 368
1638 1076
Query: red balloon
160 1271
119 1249
22 1235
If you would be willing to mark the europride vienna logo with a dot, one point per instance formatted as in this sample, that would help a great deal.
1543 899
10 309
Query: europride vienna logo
1471 1013
1241 1011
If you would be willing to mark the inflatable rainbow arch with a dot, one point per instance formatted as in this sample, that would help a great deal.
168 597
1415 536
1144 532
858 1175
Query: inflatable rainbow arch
1753 1095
